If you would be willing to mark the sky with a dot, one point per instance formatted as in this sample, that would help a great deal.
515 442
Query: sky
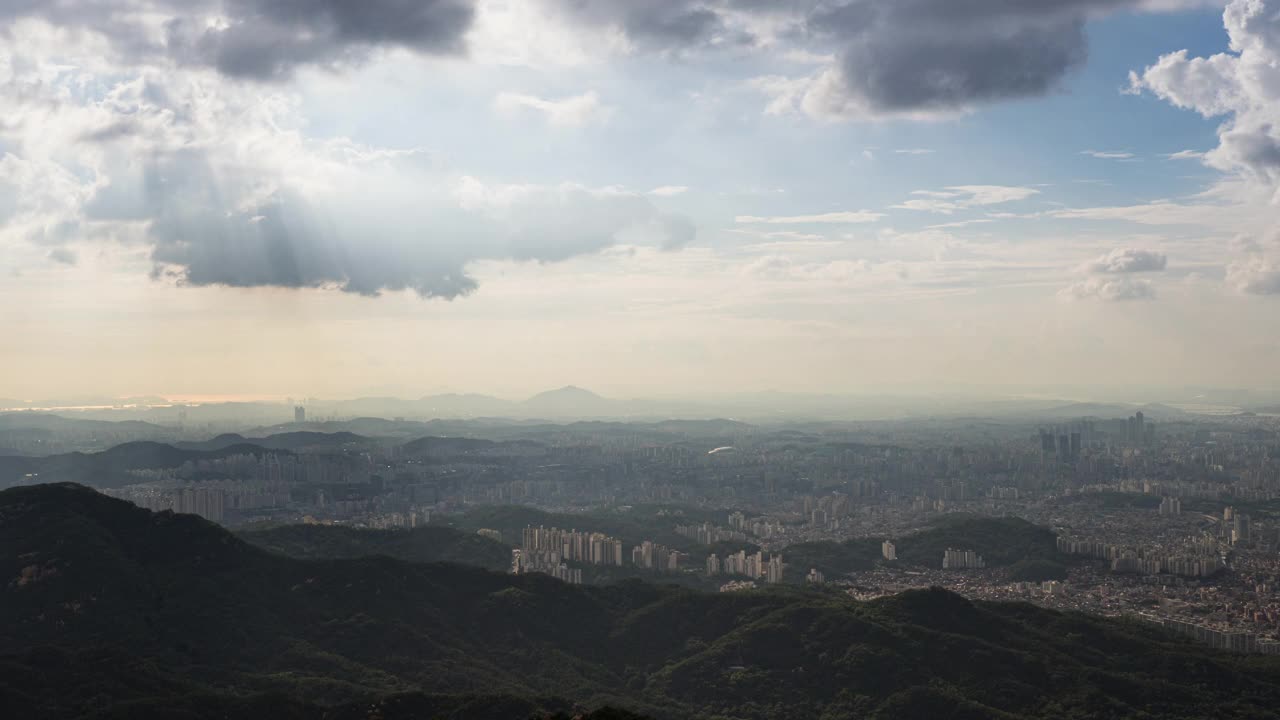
275 198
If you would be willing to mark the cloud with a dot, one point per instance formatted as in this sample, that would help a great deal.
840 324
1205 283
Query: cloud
781 268
655 25
669 190
62 255
1116 289
873 58
1243 84
854 217
914 151
937 55
961 197
1186 155
1109 277
216 181
931 58
806 57
959 224
261 39
769 266
790 239
1258 272
1257 275
1155 213
574 111
1108 154
1128 260
783 92
402 240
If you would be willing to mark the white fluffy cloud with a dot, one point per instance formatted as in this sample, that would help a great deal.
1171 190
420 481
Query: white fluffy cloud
1242 84
1128 260
1257 272
1111 289
1255 275
1110 277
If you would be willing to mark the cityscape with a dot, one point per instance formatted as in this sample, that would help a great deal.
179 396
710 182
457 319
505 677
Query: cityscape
1175 520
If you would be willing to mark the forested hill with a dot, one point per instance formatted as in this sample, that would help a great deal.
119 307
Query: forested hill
422 544
110 468
1001 542
112 611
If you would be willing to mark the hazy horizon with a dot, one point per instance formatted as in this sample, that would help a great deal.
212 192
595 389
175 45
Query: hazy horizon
959 394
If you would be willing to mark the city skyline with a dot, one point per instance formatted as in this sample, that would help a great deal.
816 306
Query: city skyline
501 196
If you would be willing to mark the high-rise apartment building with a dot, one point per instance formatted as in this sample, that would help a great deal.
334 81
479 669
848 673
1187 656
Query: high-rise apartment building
889 550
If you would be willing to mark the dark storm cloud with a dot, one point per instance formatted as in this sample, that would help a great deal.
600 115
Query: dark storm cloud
267 39
653 24
915 71
264 39
895 56
938 55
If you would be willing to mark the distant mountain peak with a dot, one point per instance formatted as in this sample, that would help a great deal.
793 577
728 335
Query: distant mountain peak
569 400
568 392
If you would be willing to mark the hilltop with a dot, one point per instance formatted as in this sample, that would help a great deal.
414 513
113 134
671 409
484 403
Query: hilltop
570 401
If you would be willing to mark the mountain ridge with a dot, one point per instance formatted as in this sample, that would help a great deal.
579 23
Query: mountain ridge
192 609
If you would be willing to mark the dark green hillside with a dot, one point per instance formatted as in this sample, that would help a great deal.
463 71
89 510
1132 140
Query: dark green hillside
299 440
1000 541
459 449
832 558
1111 500
112 611
631 528
109 468
421 545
